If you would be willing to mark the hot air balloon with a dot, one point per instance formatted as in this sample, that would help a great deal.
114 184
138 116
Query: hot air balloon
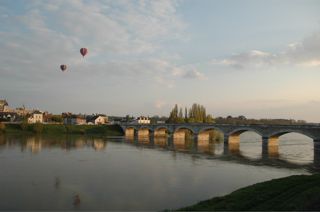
63 67
83 51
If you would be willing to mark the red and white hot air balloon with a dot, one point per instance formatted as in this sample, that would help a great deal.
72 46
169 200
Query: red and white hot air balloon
63 67
83 51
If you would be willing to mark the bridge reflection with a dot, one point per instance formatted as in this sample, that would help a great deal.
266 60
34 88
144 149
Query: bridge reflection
215 150
222 151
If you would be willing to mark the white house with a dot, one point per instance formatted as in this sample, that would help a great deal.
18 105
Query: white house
36 117
98 119
3 105
142 120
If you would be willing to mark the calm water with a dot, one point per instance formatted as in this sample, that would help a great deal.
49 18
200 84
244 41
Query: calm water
81 173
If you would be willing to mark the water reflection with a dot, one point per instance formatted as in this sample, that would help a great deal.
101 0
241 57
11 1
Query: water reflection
160 141
287 152
248 151
273 152
70 173
36 144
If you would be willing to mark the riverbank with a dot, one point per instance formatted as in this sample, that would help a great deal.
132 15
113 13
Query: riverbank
294 193
107 130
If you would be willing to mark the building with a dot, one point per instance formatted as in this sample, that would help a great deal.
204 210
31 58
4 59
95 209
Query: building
97 119
73 119
142 120
35 117
22 111
3 105
8 116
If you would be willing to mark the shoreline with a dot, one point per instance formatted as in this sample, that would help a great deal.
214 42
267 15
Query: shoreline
61 129
293 193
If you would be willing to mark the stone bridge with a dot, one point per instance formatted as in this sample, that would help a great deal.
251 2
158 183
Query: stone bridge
269 133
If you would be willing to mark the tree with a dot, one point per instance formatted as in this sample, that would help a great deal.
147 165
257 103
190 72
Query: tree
173 115
37 127
2 127
209 119
129 118
196 114
24 125
57 118
185 114
242 117
180 118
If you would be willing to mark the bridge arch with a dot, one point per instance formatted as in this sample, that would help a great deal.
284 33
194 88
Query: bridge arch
161 131
207 134
185 128
144 131
183 132
145 127
130 131
132 127
232 138
301 142
273 138
211 128
279 133
161 127
240 130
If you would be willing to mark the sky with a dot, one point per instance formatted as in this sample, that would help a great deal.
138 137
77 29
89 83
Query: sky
257 58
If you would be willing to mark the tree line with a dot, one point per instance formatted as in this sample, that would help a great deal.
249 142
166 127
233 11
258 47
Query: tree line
196 114
244 120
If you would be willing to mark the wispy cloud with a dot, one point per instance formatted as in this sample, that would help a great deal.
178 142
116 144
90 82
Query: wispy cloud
124 39
305 53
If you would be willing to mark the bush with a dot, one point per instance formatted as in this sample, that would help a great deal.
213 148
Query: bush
57 118
38 127
24 125
2 127
68 128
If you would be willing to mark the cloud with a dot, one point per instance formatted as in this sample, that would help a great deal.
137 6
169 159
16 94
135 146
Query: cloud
124 39
187 72
193 74
305 53
159 104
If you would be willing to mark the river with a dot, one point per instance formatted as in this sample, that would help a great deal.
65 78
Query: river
87 173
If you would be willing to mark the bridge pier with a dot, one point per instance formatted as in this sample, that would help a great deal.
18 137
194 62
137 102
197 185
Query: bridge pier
225 144
151 137
231 144
195 142
135 134
196 137
170 141
270 147
129 132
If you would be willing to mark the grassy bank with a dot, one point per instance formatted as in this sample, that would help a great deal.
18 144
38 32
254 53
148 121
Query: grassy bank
109 130
294 193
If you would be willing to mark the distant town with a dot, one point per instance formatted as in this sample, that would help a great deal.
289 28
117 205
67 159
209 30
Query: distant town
196 114
20 114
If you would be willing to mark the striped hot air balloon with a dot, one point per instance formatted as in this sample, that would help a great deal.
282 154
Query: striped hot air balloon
83 51
63 67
